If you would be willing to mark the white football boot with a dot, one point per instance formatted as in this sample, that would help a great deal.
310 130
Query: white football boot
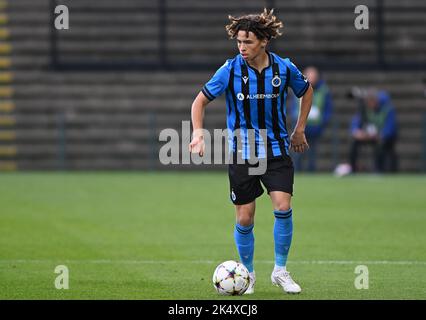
283 279
250 289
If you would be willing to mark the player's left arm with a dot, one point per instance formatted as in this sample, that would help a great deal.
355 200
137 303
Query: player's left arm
298 142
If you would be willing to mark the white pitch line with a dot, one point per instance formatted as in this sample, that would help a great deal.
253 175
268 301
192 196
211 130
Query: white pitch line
107 261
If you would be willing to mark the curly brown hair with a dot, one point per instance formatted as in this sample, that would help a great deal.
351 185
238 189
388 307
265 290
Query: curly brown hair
264 25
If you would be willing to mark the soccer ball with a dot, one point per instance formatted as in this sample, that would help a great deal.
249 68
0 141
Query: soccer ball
342 169
231 278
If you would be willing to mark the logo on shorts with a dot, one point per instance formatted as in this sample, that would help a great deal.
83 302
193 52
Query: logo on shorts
276 81
233 196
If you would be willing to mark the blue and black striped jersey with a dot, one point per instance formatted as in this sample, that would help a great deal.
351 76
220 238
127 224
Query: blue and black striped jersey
257 101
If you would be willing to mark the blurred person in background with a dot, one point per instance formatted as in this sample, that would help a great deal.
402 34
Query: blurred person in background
318 119
375 125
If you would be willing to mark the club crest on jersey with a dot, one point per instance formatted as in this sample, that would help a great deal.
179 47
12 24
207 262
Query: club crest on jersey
245 79
276 81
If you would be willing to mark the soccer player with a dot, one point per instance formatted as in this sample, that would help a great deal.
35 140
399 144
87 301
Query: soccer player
256 82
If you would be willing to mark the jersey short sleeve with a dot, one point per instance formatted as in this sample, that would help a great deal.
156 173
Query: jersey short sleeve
297 82
218 83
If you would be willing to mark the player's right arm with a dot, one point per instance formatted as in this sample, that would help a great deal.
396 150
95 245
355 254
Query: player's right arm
197 116
211 90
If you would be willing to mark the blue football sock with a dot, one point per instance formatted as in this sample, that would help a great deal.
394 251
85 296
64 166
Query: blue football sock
283 232
244 240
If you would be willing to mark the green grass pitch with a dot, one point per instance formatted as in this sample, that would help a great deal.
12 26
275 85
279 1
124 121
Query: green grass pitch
136 235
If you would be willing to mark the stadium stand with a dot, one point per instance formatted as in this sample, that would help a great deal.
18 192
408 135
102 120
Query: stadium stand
96 96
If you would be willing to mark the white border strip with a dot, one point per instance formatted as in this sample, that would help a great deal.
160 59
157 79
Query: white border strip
110 261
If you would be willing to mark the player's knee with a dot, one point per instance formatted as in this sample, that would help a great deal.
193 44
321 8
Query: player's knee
245 218
245 214
245 221
283 206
